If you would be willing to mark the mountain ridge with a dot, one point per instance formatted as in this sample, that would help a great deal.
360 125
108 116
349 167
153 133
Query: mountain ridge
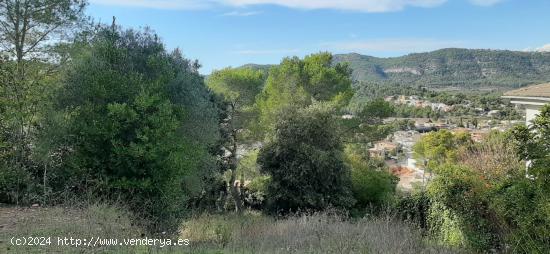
449 67
453 67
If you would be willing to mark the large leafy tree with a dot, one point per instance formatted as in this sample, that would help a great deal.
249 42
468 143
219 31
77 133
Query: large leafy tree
139 123
239 88
316 82
299 83
306 163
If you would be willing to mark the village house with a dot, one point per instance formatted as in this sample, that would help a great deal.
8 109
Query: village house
441 106
532 98
383 149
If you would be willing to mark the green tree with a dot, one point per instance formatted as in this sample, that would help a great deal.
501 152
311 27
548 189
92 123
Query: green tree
239 88
533 144
441 147
139 125
299 83
29 30
524 202
366 124
306 162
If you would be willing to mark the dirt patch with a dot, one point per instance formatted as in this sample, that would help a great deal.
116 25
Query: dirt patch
402 171
407 177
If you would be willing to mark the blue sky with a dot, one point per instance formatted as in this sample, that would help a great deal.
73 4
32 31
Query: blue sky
221 33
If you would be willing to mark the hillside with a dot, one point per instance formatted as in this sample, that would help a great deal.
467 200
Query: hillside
468 68
263 67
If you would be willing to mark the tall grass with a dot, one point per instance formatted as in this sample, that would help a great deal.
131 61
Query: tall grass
227 233
98 220
317 233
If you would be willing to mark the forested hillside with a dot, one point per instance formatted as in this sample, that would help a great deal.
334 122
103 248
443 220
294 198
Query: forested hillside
464 68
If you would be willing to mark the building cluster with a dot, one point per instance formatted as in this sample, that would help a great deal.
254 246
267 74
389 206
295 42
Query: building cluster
399 145
397 149
417 102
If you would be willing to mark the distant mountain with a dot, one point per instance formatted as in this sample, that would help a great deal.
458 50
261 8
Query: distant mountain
262 67
467 68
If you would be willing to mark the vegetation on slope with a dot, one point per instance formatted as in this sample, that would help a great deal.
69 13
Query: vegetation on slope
469 68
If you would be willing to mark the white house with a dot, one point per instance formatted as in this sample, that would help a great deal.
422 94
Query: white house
532 98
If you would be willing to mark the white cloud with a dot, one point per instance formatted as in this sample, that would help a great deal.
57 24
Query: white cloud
352 5
485 2
348 5
543 48
265 51
407 45
242 13
159 4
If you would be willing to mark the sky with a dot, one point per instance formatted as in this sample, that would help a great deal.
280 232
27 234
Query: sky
223 33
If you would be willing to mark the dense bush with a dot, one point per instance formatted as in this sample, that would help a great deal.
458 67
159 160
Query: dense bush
459 213
494 159
306 163
413 207
524 203
523 210
487 202
139 123
372 185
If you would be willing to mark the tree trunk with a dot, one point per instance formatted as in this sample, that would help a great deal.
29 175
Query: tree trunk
234 189
44 198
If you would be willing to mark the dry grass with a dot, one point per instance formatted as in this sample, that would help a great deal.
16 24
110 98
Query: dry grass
319 233
249 233
93 221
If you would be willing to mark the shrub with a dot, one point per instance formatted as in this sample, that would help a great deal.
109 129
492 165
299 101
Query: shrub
413 207
524 212
446 225
459 209
306 163
495 158
371 184
139 125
